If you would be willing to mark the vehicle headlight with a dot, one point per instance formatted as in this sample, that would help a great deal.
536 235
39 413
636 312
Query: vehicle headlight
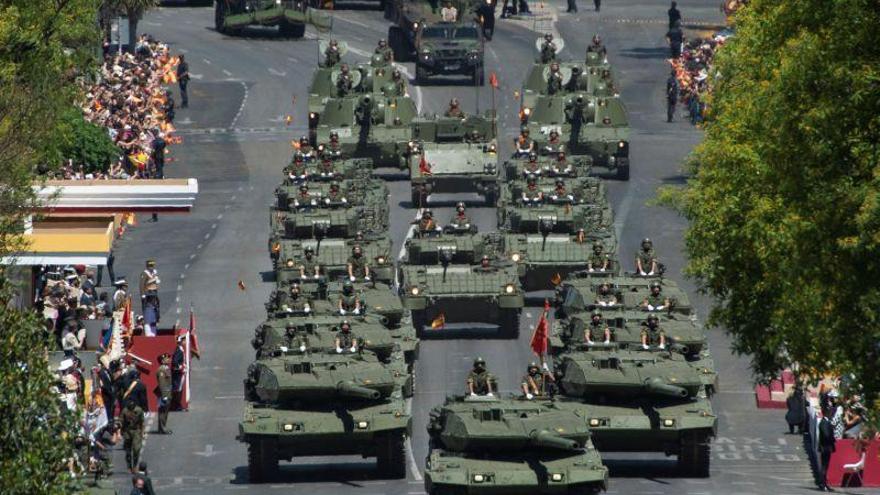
515 257
277 2
411 144
669 423
414 291
509 289
491 148
289 263
362 425
288 427
594 422
527 111
621 144
312 115
479 478
415 25
556 477
380 260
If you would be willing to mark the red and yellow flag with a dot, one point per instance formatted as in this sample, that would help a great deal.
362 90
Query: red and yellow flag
438 322
556 279
424 166
539 342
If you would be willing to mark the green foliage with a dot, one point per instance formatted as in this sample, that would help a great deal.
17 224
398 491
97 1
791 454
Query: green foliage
134 10
83 142
35 426
785 200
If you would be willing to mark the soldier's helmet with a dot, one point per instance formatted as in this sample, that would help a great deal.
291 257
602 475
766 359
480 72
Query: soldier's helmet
334 43
652 320
560 155
479 363
554 67
453 103
294 288
298 157
560 183
531 180
524 129
345 326
576 70
484 260
395 75
647 243
309 250
605 287
655 285
596 315
359 235
548 37
334 186
383 43
533 156
459 207
597 247
427 214
597 40
554 134
151 263
356 250
533 366
304 188
303 140
334 135
344 68
475 135
347 288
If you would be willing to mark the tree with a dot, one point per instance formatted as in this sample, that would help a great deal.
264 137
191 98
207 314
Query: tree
784 202
86 144
134 11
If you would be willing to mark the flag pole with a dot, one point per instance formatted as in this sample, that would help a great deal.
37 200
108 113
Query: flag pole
188 359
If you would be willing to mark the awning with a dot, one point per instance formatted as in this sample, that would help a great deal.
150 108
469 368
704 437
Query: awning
66 241
113 196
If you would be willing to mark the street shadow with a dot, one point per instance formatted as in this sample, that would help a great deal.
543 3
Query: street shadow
350 474
648 469
675 180
268 276
659 52
357 6
267 33
451 80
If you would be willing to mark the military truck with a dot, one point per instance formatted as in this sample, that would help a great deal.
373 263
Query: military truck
291 16
491 445
437 47
640 401
453 155
441 282
369 126
323 404
588 125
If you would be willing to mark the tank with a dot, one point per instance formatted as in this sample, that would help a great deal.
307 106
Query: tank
491 445
369 126
579 290
321 405
327 223
332 255
352 192
587 208
443 157
594 80
438 48
588 125
291 16
442 284
339 170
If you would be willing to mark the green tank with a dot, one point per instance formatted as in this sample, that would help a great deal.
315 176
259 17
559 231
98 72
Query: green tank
327 223
316 170
584 205
594 80
369 126
632 292
291 16
441 282
299 333
453 155
351 192
489 445
324 404
587 125
332 255
640 401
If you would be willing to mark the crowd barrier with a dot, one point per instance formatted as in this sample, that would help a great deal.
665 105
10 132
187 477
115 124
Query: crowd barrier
145 352
847 451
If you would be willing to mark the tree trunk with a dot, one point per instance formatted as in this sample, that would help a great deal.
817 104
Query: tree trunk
132 31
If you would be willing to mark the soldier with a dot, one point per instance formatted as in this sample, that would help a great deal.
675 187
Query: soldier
178 368
560 194
344 82
132 433
293 301
426 225
652 334
655 301
605 297
524 143
448 13
473 137
598 326
532 195
399 83
554 79
333 148
454 109
596 46
357 264
331 54
460 220
532 167
479 380
346 341
672 90
548 49
554 144
297 170
561 165
349 302
485 265
326 167
120 295
163 391
309 268
304 199
305 148
575 112
383 49
149 283
599 260
646 260
535 382
335 195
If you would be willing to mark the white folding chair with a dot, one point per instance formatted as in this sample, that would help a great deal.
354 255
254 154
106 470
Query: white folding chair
854 471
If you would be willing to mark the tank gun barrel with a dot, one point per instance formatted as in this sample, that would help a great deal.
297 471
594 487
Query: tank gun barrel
656 386
546 439
349 389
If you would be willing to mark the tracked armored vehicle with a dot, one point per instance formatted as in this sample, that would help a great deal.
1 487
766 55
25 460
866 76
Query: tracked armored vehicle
631 292
453 155
298 332
595 80
291 16
442 282
488 445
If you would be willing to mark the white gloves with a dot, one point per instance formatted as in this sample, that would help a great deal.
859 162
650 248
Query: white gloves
353 348
530 396
367 278
302 348
339 350
342 311
662 346
356 311
490 394
645 346
351 278
546 368
607 341
473 394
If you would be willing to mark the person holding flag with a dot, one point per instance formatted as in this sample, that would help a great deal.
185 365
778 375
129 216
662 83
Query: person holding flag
537 381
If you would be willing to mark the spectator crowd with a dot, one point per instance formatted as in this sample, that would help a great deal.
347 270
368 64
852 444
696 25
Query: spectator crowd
692 64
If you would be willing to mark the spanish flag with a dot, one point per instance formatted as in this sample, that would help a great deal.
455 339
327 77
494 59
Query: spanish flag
438 322
556 279
424 166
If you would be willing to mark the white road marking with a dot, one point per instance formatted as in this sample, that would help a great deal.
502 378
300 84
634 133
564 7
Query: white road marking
220 216
213 225
196 76
226 72
413 467
275 72
207 236
179 287
206 61
240 108
199 246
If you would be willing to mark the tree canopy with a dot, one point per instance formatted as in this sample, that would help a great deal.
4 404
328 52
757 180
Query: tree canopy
784 200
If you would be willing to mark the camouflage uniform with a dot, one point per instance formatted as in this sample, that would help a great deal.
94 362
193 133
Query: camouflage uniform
358 265
653 334
346 339
132 434
481 381
535 383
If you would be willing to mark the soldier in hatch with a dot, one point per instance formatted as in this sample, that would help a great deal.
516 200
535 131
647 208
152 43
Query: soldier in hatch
305 198
383 49
293 301
333 148
554 144
479 380
358 268
485 265
554 79
646 260
596 46
598 328
548 49
655 300
346 341
560 165
561 194
605 297
309 268
399 83
532 195
599 261
308 153
576 82
344 82
332 56
532 167
297 171
426 224
454 109
460 220
536 383
575 111
326 167
335 195
652 334
524 143
349 302
473 137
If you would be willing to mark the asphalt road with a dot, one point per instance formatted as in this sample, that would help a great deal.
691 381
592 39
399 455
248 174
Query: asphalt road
236 142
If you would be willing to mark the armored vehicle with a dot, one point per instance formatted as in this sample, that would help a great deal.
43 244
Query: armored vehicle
323 223
291 16
548 166
369 126
301 332
543 259
453 155
312 195
575 77
489 445
588 125
323 404
327 170
438 46
631 292
442 281
640 401
332 256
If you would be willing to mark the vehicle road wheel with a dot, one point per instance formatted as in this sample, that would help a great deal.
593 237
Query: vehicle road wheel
623 169
693 458
391 458
397 43
422 76
219 16
416 197
491 196
290 30
262 460
509 323
419 320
